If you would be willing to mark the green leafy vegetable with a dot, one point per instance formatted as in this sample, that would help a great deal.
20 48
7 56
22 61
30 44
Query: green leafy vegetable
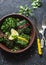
25 30
8 24
36 3
21 42
25 10
7 42
16 38
25 36
15 48
22 22
7 34
1 39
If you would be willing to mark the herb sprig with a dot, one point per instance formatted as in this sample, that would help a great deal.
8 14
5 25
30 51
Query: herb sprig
36 3
25 10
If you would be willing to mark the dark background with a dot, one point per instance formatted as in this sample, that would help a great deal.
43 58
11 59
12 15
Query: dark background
29 57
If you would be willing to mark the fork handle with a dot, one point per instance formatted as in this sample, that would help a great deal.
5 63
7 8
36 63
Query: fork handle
42 42
39 46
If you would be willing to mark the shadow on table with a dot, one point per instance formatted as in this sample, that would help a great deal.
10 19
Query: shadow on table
17 58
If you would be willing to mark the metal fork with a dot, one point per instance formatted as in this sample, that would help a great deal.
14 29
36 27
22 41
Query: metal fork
44 27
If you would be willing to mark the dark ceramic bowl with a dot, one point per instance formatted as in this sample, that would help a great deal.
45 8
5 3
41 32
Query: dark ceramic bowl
32 33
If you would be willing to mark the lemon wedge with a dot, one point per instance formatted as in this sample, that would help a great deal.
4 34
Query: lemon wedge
13 33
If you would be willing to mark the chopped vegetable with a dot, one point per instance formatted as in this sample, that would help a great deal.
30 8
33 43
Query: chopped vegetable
1 39
8 24
15 48
7 34
22 43
25 36
21 23
16 33
25 30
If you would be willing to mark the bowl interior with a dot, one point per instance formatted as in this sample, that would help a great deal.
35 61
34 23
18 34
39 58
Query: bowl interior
32 32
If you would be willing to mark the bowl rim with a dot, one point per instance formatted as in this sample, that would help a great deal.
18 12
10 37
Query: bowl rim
30 44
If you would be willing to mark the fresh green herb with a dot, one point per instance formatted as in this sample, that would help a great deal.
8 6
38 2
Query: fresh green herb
25 10
36 3
8 24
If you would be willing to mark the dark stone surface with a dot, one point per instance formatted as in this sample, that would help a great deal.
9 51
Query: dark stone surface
29 57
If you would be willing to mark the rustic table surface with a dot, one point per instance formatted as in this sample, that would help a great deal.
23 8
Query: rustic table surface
29 57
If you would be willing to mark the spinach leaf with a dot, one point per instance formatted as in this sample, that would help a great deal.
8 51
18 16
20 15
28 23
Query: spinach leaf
21 42
8 24
22 22
25 30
